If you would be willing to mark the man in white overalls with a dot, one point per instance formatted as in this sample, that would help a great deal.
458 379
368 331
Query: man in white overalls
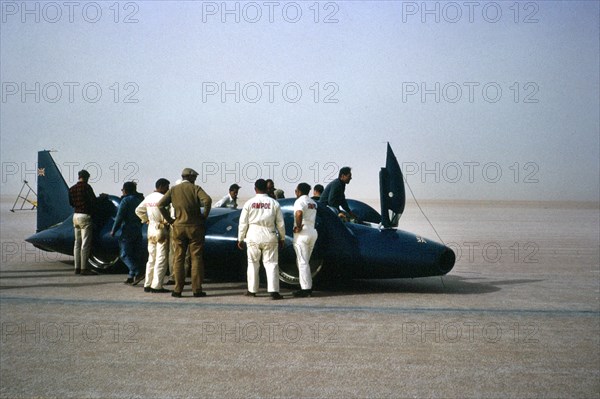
305 236
261 228
158 238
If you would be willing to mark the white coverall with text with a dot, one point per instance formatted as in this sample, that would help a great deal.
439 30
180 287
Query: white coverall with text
158 240
261 227
304 241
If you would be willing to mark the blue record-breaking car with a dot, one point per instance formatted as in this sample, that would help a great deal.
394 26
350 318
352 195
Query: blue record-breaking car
371 246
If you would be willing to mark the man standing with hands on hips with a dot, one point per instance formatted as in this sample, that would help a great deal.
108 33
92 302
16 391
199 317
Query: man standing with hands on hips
305 236
261 228
158 237
188 228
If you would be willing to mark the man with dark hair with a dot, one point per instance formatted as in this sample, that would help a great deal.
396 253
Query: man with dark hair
230 200
270 188
305 236
83 200
317 192
188 229
261 227
130 240
275 193
158 237
334 194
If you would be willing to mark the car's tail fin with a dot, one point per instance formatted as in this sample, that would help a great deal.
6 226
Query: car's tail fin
391 191
52 192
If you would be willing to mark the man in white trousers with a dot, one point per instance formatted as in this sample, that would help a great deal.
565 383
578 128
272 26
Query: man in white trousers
261 228
305 236
158 238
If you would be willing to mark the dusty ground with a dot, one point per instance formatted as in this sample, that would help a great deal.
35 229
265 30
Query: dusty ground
517 317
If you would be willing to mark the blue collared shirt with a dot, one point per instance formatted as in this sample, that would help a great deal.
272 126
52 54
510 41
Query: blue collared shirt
127 219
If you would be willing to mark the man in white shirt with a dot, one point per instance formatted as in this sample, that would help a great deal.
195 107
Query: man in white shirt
261 228
305 236
158 238
230 200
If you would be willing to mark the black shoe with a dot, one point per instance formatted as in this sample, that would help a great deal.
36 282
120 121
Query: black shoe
77 271
276 296
159 290
302 293
137 279
88 272
170 282
248 293
129 281
199 294
176 294
147 289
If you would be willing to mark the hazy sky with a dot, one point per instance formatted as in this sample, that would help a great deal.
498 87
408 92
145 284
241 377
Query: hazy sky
479 100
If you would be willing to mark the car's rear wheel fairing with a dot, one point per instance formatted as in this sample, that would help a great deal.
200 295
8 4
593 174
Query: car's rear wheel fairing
289 274
103 262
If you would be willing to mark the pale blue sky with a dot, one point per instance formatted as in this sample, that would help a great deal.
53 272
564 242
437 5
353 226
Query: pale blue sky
537 139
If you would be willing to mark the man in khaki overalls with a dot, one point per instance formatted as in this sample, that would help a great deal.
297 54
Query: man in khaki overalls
188 228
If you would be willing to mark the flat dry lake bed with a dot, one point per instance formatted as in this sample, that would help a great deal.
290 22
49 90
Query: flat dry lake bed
518 316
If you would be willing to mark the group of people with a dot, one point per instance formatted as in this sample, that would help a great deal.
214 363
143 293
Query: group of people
176 228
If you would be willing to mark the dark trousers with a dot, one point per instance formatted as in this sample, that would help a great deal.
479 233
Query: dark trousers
131 249
191 236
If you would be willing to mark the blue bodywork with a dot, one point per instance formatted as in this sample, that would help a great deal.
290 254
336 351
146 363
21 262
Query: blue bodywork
351 249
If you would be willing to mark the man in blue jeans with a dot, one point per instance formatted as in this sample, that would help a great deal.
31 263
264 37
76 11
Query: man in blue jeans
130 240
